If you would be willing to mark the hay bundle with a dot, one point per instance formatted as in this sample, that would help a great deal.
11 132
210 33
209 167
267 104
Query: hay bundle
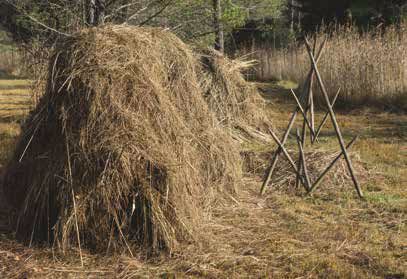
257 163
236 102
122 143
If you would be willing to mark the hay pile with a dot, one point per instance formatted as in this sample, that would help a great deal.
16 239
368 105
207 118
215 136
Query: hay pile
256 163
122 148
236 102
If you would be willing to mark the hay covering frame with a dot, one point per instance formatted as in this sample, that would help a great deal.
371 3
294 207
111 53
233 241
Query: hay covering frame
124 149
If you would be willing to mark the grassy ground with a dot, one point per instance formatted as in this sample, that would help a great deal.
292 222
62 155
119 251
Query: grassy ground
14 105
283 234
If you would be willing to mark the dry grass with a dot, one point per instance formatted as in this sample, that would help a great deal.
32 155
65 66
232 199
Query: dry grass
132 128
284 234
14 106
370 68
14 83
220 83
124 131
9 62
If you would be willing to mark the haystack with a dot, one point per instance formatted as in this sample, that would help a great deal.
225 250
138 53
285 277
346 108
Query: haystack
123 148
235 102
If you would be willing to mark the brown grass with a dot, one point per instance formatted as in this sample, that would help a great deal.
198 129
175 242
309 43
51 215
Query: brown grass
131 143
370 68
122 147
221 85
9 62
282 235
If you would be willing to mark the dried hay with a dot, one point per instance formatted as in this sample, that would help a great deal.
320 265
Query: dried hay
236 102
122 143
284 178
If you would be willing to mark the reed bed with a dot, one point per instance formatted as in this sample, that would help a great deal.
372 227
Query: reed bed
10 62
369 67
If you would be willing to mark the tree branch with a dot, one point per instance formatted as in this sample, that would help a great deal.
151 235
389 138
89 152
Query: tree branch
36 20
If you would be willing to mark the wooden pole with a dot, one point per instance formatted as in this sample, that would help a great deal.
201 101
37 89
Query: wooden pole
303 162
334 121
304 131
325 117
287 132
78 238
322 175
311 97
286 154
302 112
307 109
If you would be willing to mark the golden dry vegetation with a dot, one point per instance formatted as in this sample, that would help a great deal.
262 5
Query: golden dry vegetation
369 67
283 234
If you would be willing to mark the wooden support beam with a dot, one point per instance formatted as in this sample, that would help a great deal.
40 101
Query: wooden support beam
303 112
329 167
274 160
286 154
303 162
325 117
334 121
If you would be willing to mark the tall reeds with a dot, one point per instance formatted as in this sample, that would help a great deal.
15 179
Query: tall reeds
370 67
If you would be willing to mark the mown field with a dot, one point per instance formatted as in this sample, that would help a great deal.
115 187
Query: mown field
283 234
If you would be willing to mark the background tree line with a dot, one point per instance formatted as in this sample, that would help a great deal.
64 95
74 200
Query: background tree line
228 22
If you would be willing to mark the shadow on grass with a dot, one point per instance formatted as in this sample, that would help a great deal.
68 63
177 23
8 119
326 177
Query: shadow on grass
16 118
6 75
279 91
383 130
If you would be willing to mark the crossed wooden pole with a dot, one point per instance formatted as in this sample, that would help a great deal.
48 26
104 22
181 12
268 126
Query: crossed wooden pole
305 106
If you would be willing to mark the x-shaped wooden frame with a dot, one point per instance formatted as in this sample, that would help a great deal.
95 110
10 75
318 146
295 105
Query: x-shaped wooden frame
307 95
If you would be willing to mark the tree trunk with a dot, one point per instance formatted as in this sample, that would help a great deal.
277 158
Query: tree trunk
100 11
96 12
217 22
292 16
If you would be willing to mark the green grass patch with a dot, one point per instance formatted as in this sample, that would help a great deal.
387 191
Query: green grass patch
286 84
384 198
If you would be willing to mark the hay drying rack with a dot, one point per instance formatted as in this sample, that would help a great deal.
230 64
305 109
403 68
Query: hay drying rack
305 106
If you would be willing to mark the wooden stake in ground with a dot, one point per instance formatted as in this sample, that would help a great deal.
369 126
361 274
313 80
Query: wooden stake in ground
325 117
274 160
308 123
303 162
328 168
334 121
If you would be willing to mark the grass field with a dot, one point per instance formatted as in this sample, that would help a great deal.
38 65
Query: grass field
14 105
368 67
283 234
14 83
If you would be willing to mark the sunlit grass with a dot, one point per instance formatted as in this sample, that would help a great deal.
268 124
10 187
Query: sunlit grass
15 102
14 83
8 136
331 234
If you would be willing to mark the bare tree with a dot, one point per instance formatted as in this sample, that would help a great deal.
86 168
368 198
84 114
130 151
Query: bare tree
96 12
218 26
